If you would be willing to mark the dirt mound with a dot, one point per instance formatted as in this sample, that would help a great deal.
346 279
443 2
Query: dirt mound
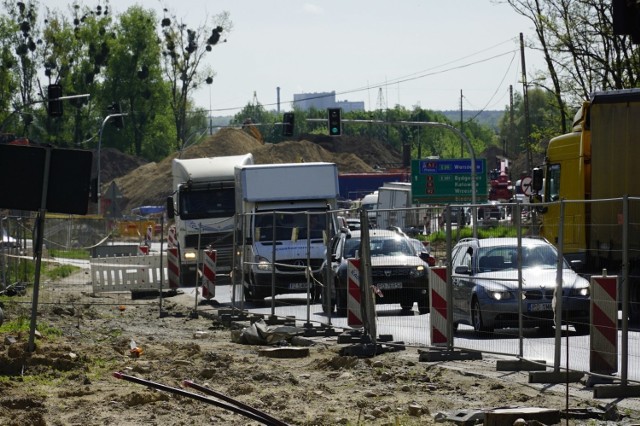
150 183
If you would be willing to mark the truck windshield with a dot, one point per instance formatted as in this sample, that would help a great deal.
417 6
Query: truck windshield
290 226
207 203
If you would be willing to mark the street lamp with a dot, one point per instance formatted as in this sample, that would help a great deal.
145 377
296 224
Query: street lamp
107 118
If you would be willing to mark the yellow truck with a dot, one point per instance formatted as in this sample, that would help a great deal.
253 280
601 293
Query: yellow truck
598 160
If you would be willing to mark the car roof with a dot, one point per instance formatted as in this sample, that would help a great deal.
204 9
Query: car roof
505 241
378 233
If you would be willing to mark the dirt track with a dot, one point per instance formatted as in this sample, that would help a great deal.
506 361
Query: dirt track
69 379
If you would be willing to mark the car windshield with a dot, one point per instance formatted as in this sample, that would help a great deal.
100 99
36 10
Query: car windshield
381 246
500 258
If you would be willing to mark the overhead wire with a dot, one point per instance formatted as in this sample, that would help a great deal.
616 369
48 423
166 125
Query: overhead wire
409 77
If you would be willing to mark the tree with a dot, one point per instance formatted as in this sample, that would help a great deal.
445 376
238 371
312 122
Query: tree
133 78
183 51
581 52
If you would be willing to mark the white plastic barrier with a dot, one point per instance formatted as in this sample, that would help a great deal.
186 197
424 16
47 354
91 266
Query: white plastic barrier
127 273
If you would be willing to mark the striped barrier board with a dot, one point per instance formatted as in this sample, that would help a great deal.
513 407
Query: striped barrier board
173 267
438 302
126 273
209 274
172 240
143 250
603 355
354 294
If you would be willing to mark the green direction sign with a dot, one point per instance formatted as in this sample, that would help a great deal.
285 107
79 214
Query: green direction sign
447 181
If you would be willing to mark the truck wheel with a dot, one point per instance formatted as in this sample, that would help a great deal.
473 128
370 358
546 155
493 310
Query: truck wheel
253 293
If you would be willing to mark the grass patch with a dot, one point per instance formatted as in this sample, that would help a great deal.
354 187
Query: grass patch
61 271
22 324
70 254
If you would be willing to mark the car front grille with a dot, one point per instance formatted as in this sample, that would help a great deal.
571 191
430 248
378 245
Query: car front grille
390 273
538 294
297 265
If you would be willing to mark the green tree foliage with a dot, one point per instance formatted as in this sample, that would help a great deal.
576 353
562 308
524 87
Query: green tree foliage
184 49
134 80
544 125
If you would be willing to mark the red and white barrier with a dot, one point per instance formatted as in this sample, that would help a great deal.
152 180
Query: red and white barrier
172 240
209 274
603 358
438 302
143 249
173 267
149 235
354 294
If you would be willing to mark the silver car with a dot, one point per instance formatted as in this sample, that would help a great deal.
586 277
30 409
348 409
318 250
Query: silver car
485 285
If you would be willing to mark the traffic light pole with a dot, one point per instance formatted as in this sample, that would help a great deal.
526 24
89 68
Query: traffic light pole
106 119
428 124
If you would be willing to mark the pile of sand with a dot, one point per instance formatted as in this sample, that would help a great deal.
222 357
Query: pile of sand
150 184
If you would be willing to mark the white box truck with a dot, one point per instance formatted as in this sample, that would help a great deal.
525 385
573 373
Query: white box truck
287 218
203 206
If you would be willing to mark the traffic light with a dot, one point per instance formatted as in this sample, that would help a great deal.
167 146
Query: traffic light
287 124
626 19
117 121
335 121
54 105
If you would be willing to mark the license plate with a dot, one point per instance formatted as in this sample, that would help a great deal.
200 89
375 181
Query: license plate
538 307
389 286
297 286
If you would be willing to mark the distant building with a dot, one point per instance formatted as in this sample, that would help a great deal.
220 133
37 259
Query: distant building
324 100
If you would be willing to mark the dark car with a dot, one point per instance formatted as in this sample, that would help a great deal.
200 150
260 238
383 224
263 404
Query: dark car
397 272
486 290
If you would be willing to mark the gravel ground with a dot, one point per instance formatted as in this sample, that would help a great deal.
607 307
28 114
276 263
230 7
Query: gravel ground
69 378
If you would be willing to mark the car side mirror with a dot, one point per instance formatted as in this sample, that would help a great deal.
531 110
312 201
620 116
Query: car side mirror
462 270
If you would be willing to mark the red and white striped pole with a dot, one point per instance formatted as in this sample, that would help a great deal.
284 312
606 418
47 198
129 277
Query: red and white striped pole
172 240
354 294
438 301
603 358
209 274
173 267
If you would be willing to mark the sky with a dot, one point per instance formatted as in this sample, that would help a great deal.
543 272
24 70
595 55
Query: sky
426 53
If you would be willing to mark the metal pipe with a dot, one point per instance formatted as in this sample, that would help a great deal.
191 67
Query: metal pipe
231 407
211 392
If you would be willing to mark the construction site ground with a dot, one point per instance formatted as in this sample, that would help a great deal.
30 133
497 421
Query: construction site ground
68 379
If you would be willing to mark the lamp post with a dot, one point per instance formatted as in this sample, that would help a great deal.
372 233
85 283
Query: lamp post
99 149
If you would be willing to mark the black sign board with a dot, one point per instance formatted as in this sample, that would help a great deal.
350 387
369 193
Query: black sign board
22 171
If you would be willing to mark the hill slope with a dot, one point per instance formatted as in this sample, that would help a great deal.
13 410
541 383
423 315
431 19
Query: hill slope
150 184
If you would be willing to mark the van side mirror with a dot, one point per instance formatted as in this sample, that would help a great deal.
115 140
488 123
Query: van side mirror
171 213
537 179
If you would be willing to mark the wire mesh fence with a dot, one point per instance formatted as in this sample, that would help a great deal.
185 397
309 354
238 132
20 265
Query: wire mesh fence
501 300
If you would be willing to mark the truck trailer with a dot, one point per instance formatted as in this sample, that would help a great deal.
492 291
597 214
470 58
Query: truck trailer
286 219
203 206
598 160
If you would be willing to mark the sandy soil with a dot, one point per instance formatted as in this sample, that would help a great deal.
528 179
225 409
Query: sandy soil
68 379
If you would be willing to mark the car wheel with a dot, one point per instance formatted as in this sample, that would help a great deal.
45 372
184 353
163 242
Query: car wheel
476 319
341 301
582 328
423 303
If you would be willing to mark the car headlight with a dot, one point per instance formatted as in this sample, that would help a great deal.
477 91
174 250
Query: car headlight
263 264
500 295
580 292
418 271
190 255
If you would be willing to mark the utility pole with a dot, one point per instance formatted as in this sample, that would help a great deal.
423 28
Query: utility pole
461 125
525 99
